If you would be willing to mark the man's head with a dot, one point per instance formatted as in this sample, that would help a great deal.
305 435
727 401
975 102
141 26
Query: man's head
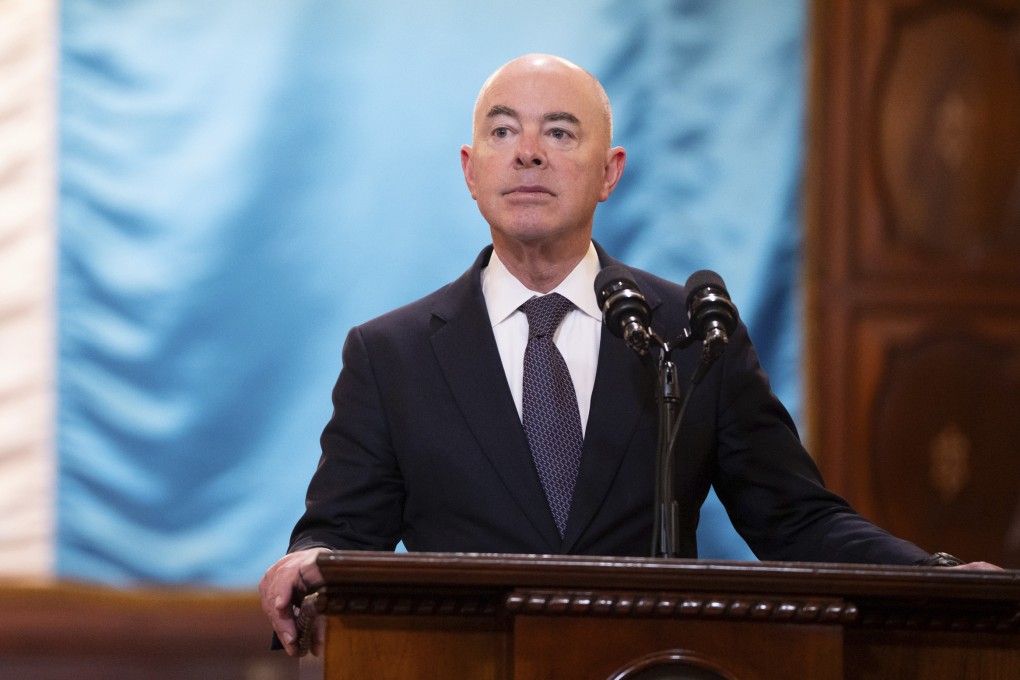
540 159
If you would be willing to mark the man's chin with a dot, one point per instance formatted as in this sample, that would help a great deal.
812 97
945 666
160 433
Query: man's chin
539 234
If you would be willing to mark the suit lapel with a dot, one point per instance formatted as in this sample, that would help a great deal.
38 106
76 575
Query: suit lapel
466 351
624 386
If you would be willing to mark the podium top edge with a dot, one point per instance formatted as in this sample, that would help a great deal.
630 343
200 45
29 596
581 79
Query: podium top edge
642 573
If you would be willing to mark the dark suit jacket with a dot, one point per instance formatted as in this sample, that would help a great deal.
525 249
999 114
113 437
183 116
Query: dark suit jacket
425 446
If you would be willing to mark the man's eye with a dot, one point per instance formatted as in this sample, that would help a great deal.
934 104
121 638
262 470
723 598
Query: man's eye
501 132
559 133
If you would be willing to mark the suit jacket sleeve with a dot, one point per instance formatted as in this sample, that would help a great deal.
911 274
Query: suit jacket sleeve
771 487
355 498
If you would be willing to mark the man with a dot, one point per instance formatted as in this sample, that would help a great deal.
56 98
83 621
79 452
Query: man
436 435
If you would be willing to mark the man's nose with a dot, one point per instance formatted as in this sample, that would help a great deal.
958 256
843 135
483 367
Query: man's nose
529 152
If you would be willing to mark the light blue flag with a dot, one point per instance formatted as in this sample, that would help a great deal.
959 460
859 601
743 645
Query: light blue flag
242 182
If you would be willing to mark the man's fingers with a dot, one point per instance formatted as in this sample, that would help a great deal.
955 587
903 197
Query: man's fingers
977 566
275 594
309 575
281 617
287 633
293 573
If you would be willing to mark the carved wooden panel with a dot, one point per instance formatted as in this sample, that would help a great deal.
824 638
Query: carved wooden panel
943 140
913 267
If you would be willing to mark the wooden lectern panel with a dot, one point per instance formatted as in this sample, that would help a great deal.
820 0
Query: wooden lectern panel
605 648
418 647
897 654
532 617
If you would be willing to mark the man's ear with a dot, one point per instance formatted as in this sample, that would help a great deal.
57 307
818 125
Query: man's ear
465 164
616 160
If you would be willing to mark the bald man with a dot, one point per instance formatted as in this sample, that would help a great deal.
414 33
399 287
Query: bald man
429 444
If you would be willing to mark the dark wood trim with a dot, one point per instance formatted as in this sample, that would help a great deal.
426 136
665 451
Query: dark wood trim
64 630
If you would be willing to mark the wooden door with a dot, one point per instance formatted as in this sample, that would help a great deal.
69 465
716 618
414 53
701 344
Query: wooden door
913 267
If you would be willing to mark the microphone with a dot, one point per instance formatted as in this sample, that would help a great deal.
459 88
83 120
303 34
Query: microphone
624 309
712 315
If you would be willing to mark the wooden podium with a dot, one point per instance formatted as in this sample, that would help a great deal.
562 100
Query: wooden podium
502 617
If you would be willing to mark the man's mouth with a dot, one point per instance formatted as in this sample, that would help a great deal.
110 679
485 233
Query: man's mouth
529 189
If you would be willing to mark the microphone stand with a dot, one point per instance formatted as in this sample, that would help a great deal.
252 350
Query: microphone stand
672 406
628 315
665 531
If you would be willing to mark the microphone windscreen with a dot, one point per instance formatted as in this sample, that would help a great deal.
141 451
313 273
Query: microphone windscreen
611 279
708 304
702 278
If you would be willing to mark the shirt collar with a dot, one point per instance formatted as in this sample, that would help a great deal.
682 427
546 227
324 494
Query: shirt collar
504 294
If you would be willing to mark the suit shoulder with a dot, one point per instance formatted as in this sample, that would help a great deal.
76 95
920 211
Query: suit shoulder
412 314
663 287
463 292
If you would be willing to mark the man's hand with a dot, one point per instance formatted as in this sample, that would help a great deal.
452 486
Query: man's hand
977 566
293 573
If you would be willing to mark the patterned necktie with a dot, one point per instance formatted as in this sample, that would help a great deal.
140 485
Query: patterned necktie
551 419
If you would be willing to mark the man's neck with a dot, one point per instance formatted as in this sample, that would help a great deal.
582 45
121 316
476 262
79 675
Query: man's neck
541 266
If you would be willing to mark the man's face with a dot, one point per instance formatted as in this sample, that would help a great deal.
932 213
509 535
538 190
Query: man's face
540 160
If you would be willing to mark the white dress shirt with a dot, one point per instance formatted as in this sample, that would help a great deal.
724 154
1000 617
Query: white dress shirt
577 337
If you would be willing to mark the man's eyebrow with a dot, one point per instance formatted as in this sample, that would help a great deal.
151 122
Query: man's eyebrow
500 110
552 116
564 116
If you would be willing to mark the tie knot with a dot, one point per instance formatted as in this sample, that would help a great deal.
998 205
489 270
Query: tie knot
545 313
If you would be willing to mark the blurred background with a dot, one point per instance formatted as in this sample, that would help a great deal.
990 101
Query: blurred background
197 200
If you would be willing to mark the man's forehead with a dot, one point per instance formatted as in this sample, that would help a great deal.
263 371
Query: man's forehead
557 88
548 88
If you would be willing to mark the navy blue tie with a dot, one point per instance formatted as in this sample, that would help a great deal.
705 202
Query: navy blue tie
551 419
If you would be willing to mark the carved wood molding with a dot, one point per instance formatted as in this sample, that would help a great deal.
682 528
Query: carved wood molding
680 605
892 615
888 615
418 603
